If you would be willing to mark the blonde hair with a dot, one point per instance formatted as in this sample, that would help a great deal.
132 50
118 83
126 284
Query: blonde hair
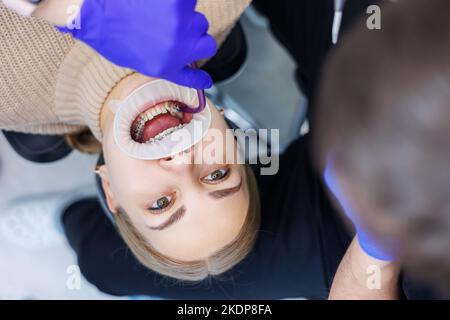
218 263
83 141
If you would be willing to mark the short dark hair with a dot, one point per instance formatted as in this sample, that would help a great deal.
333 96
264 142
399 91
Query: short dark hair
384 111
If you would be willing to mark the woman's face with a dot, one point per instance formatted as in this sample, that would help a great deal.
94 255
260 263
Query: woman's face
184 207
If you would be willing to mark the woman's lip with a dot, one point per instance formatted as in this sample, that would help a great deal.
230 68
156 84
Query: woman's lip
157 101
154 94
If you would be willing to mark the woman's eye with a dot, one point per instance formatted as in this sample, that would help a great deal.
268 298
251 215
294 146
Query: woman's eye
217 175
161 203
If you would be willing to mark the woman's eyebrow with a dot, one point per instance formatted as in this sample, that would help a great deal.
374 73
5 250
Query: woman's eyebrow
172 219
220 194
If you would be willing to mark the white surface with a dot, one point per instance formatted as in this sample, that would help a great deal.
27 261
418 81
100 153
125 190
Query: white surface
40 273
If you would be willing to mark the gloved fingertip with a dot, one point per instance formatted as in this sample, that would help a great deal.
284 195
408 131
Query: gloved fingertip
62 29
370 246
206 83
206 48
194 78
203 83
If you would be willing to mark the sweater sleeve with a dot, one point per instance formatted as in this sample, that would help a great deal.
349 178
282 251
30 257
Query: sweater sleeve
51 84
31 52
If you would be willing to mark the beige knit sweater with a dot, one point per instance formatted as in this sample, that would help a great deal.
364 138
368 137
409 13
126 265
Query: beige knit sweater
51 84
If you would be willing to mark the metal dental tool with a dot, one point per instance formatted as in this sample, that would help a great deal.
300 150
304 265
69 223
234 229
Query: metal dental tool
337 21
201 100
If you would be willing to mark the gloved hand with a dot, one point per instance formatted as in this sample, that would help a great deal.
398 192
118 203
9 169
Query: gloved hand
366 241
158 38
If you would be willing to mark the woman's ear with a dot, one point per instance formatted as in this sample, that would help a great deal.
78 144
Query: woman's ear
102 171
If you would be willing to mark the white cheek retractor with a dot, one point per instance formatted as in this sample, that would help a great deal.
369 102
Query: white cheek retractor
151 94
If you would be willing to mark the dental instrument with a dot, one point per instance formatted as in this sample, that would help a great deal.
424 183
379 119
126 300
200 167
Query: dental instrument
337 20
201 99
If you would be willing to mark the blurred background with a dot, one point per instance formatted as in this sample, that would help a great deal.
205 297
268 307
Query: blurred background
35 260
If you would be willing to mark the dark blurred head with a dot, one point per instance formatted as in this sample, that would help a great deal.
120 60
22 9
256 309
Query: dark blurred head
384 112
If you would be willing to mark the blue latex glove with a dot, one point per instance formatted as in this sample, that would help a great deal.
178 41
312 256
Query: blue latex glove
158 38
366 241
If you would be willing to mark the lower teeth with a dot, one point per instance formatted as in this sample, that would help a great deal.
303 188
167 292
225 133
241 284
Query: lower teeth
165 133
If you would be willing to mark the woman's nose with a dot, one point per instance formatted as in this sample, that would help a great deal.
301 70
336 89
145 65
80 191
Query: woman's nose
179 160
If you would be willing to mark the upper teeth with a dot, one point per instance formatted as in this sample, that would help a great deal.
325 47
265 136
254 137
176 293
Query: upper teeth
161 109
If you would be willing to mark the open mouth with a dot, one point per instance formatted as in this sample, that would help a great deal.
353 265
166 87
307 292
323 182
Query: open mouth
148 117
158 121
